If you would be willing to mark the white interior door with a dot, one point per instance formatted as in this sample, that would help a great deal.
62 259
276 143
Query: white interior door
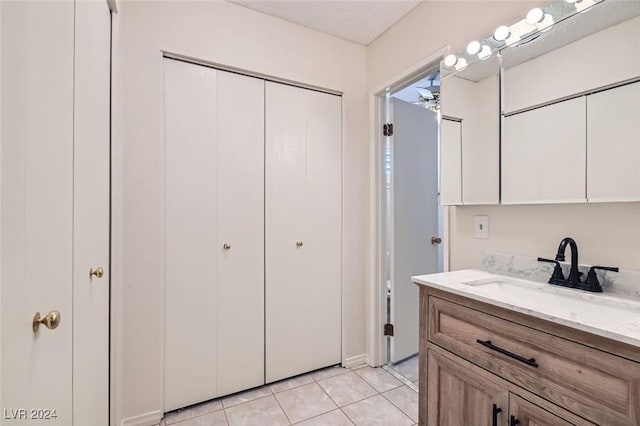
414 217
191 235
303 230
91 215
240 203
36 259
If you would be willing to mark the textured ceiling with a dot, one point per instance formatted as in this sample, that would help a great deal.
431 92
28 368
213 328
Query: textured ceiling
360 21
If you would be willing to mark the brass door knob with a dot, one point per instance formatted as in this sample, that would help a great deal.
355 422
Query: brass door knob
98 272
226 246
436 240
299 243
51 321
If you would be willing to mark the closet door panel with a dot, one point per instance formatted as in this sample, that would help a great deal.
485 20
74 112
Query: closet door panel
303 228
322 313
240 301
191 241
285 207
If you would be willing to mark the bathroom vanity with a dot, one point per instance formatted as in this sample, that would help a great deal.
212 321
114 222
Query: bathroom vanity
496 350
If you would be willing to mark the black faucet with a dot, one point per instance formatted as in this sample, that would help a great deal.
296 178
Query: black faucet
573 281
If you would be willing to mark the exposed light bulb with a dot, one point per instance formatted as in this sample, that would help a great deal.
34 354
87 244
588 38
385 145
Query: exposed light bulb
502 33
450 60
570 1
473 47
535 16
461 64
485 53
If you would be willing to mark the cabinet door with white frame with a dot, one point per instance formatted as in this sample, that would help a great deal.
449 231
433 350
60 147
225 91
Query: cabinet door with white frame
303 230
613 144
544 154
214 235
450 162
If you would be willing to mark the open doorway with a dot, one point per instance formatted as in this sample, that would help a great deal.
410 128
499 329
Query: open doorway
413 217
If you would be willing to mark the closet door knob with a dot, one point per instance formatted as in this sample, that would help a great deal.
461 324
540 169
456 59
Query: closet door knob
226 246
299 243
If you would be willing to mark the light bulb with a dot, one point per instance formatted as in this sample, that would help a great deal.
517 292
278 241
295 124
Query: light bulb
571 1
473 47
535 16
450 60
461 64
502 33
485 53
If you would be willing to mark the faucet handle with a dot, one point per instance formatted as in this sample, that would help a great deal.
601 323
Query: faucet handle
592 278
557 270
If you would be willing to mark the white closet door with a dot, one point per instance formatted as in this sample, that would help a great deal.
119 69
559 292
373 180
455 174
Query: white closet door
191 237
613 144
303 230
91 215
240 299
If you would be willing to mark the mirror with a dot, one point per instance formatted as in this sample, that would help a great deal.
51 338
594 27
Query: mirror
571 108
470 130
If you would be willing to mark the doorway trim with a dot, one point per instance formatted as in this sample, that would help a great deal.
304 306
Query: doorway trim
377 297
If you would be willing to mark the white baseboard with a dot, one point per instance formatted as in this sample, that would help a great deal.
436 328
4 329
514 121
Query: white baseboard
147 419
355 361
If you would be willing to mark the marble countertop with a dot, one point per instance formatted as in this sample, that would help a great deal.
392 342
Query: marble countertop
613 316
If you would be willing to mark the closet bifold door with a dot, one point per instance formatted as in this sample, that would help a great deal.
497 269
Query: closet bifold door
214 236
303 181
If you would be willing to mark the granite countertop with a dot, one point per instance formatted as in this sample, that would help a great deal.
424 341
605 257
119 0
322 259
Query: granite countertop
614 316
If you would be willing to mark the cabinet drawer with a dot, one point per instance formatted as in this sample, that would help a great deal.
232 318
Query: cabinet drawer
596 385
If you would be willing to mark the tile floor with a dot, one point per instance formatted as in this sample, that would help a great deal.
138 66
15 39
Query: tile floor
332 396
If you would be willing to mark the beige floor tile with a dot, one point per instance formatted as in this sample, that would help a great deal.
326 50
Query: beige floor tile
406 399
213 419
178 416
246 396
291 383
207 407
329 372
333 418
376 411
408 368
260 412
347 388
304 402
378 378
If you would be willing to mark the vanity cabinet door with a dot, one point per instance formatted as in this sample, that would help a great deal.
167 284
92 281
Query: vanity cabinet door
458 396
528 414
544 155
613 145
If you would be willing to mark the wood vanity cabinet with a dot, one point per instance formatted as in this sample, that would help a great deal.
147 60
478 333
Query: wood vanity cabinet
481 365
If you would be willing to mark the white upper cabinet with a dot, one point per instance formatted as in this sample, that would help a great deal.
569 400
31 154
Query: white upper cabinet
470 136
613 144
544 155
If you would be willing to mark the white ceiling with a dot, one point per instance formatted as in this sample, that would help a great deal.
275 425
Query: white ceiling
360 21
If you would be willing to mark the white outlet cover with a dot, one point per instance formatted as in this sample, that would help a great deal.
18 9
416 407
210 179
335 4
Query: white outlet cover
481 227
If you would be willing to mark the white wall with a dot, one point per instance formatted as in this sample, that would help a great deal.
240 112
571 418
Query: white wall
228 34
606 233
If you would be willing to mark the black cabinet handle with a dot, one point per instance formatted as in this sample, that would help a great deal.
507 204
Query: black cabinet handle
529 361
496 411
513 421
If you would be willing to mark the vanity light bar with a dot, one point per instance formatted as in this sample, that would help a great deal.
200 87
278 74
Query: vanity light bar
538 20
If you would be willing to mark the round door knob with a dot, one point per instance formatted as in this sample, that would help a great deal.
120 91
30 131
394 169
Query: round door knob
226 246
51 321
436 240
299 243
98 272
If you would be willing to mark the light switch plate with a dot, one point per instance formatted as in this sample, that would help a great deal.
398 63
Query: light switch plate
481 227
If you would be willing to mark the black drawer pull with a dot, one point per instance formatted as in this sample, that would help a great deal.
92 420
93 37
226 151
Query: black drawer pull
496 411
529 361
513 421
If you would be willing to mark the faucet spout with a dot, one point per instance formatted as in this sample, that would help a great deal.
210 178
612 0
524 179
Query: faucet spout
574 275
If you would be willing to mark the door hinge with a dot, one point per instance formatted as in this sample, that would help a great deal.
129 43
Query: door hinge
387 129
388 329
